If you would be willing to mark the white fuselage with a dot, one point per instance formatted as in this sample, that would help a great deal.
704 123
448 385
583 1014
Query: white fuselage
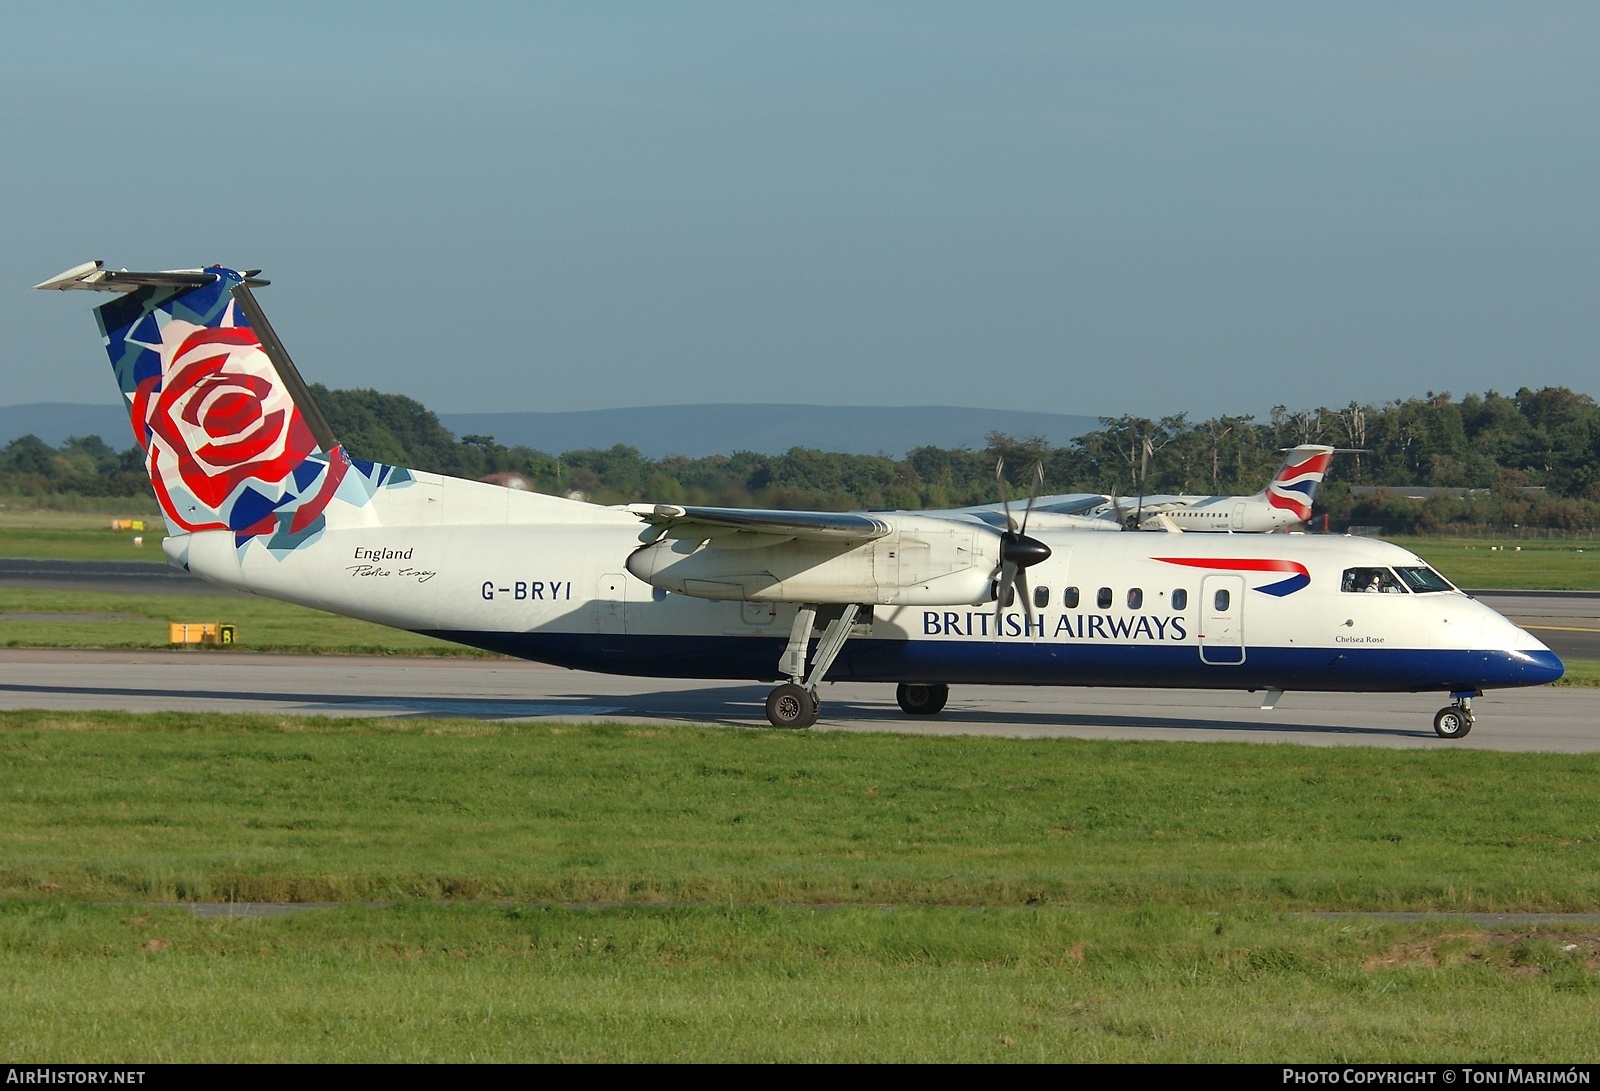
549 580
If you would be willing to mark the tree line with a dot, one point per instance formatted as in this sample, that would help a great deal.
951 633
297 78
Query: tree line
1546 439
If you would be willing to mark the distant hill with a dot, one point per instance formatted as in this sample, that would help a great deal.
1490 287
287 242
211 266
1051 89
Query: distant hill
700 430
56 422
691 430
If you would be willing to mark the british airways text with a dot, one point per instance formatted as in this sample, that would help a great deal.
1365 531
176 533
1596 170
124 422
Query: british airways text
981 623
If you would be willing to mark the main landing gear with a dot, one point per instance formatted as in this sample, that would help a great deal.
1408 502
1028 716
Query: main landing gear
1455 719
795 703
922 699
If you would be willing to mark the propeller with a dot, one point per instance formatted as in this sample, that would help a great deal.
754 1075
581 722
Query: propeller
1018 552
1144 474
1117 509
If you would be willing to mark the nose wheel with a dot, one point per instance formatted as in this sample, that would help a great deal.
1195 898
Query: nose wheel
1454 720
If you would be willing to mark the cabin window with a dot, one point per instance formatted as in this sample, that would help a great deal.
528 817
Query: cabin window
1069 597
1135 597
1180 599
1424 579
1011 596
1041 597
1376 580
1221 601
1104 598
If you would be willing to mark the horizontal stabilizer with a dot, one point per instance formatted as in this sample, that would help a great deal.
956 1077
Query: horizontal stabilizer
93 276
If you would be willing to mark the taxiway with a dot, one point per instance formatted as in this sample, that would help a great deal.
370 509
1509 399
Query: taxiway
1547 719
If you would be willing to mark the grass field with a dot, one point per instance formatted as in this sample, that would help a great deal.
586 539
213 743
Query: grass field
96 619
108 806
79 535
1512 564
761 983
782 896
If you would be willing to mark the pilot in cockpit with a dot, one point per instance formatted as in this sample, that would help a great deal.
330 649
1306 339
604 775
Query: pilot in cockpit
1372 581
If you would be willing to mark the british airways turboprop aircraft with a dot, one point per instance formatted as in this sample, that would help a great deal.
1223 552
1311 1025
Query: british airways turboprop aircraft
258 495
1285 502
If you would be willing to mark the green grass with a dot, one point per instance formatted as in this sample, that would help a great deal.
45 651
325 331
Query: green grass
618 892
264 625
783 897
80 545
79 535
1581 672
1512 564
527 983
108 806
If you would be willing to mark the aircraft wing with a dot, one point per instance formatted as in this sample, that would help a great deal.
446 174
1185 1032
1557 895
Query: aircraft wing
1064 511
698 522
1071 503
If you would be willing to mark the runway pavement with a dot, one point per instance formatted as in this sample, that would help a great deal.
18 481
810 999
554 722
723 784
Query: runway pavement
1567 621
119 577
1547 719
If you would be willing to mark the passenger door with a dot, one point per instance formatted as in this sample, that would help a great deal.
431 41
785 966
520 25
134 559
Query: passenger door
1222 620
610 610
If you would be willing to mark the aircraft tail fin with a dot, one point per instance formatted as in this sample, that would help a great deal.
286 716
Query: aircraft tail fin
1294 487
231 435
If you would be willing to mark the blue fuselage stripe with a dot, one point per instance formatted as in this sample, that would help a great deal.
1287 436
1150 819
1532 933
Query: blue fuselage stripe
1032 664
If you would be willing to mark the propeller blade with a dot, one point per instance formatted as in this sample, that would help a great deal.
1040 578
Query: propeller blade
1002 588
1017 551
1005 495
1033 494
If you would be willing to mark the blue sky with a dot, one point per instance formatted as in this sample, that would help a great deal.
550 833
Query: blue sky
1096 209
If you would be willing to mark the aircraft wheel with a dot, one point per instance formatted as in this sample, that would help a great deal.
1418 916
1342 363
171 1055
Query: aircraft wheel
1452 722
790 705
918 699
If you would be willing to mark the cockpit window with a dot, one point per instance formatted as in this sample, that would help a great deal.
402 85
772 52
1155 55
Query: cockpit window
1377 580
1423 579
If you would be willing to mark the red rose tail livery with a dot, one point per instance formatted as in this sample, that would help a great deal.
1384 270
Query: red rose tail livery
227 443
260 496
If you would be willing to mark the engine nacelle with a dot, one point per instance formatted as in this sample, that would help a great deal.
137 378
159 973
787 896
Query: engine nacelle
922 562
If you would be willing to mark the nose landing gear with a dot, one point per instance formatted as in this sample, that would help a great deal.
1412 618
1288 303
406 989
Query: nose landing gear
1455 720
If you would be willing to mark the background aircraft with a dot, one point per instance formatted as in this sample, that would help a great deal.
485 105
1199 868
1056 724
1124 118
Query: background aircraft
259 495
1285 502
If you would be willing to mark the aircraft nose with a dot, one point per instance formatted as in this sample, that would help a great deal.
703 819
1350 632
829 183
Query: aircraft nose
1542 667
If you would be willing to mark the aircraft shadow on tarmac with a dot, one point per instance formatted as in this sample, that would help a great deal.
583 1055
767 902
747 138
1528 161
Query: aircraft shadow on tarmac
731 706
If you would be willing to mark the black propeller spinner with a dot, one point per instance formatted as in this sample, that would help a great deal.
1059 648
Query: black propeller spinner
1018 552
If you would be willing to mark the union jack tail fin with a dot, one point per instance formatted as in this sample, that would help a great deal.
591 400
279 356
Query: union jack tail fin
232 438
1294 486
